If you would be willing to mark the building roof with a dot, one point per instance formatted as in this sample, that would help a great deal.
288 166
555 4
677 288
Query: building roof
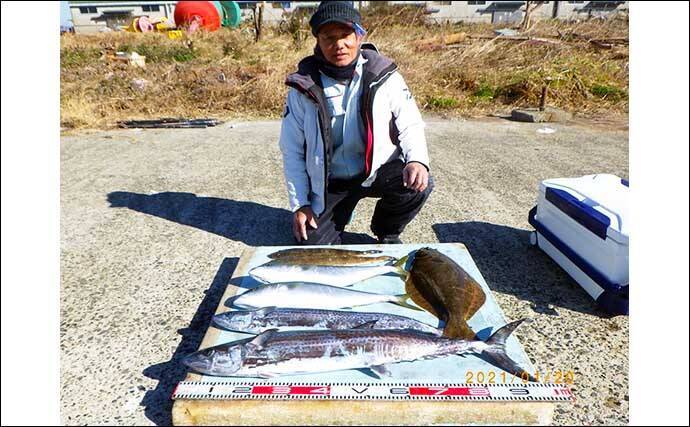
504 5
115 3
78 3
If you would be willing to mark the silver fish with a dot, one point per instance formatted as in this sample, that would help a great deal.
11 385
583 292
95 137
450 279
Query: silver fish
278 271
258 321
311 295
273 353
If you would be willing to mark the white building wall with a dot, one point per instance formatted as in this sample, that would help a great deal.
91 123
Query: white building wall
273 14
580 10
545 11
467 11
459 11
84 23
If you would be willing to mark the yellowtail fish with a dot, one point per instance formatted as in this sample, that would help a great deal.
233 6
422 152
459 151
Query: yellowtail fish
311 295
279 271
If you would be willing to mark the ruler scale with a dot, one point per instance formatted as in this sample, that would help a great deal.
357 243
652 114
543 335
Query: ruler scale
535 392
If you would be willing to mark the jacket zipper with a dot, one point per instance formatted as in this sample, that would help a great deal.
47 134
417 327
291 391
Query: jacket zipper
368 164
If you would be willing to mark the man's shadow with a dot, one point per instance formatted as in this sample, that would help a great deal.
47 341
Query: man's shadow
510 264
251 223
248 222
158 402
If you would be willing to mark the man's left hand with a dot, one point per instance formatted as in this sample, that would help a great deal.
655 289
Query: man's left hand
415 176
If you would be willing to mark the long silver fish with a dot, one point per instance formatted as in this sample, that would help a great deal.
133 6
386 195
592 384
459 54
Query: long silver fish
275 353
311 295
285 319
278 271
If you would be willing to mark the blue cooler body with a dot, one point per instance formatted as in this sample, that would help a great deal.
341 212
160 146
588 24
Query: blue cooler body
581 223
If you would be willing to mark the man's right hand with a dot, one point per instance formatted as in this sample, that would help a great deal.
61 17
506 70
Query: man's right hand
301 218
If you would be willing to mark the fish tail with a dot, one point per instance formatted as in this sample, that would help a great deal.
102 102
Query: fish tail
457 327
400 266
402 301
496 351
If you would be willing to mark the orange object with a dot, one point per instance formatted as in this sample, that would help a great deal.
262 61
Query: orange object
203 12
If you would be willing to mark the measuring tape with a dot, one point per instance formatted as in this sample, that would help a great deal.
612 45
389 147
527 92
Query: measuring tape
536 392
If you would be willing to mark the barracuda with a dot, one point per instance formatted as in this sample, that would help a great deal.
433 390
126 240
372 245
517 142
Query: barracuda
258 321
273 353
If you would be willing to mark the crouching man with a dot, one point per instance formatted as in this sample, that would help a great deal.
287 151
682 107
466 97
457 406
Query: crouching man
351 129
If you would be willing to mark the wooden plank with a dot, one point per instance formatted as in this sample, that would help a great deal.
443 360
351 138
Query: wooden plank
308 412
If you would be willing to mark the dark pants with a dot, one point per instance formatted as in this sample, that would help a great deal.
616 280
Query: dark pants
397 205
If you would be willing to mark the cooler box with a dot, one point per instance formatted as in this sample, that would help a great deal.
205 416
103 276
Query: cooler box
582 224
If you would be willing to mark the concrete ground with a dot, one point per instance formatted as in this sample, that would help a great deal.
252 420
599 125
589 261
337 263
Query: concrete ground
153 223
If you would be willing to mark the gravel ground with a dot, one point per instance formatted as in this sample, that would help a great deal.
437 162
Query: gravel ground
153 223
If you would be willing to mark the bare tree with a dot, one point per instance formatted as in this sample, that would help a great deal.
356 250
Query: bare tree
258 18
530 7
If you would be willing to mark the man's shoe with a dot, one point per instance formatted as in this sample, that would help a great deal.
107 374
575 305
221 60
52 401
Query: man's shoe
390 240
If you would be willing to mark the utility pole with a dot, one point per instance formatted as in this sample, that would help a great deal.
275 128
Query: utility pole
258 16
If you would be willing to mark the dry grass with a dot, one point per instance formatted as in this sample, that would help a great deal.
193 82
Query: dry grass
225 75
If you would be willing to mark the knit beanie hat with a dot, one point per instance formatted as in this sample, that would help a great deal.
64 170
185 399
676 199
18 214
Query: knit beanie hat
335 11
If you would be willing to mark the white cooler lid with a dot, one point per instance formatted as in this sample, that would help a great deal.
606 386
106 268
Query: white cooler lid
607 194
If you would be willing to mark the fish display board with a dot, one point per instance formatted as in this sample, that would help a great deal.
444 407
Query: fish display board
462 371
